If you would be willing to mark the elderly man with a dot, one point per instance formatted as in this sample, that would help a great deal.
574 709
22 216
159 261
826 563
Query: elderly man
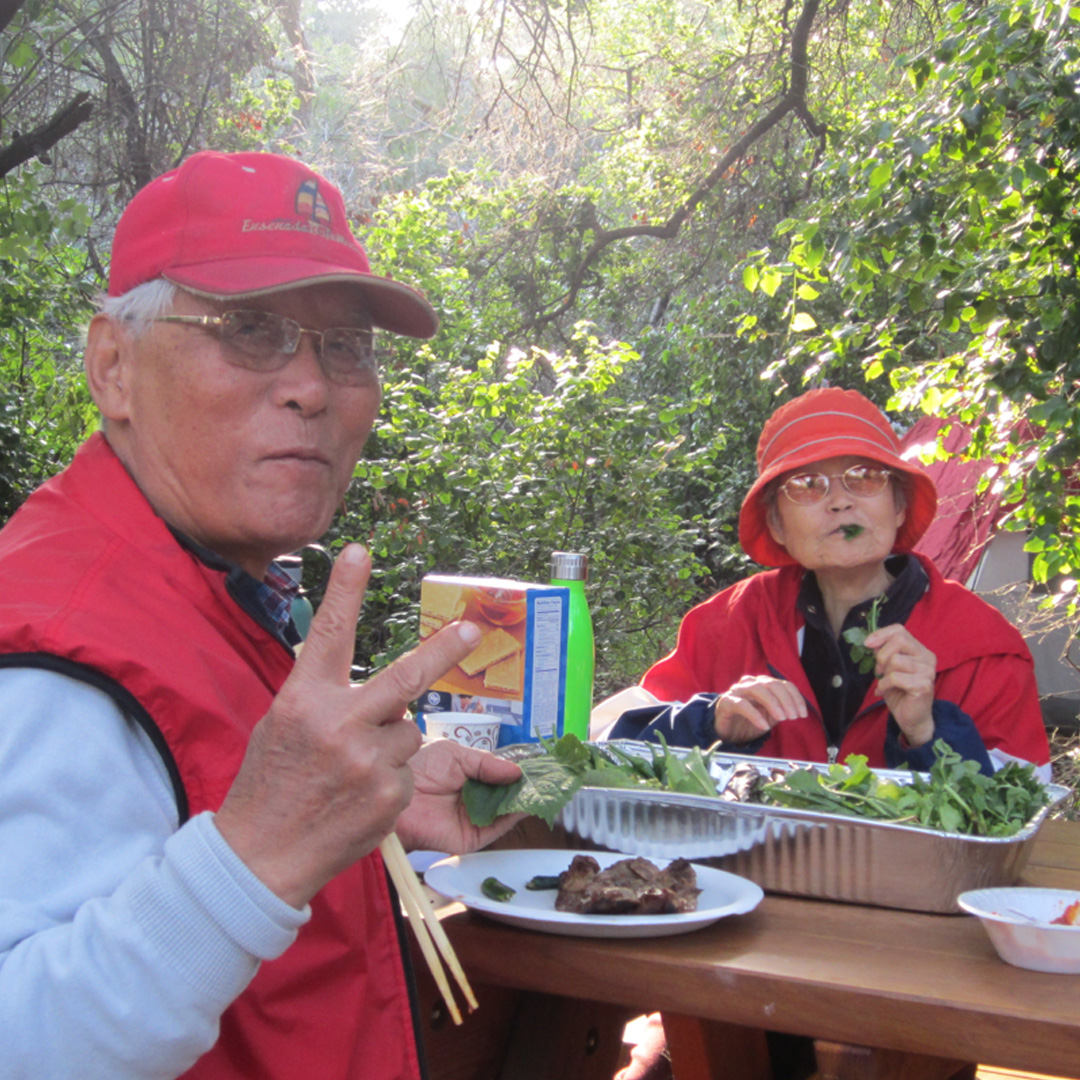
188 818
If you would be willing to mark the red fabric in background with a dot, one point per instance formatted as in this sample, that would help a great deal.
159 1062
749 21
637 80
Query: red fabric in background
966 518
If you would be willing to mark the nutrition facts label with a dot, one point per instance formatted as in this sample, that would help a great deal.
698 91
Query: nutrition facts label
548 655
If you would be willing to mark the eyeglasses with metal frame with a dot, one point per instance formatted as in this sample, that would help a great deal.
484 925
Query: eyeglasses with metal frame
265 341
862 481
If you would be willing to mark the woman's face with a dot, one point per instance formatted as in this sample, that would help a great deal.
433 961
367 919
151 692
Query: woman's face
841 531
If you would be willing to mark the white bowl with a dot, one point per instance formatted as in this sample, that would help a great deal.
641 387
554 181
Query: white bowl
469 729
1019 922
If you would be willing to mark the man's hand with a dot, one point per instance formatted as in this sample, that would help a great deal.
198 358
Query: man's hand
436 818
754 706
905 670
326 772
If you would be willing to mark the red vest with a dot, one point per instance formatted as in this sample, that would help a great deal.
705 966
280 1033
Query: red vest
95 584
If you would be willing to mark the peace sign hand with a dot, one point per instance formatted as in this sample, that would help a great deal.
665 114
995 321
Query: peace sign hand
326 772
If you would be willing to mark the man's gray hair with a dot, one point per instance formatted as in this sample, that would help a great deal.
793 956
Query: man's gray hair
139 307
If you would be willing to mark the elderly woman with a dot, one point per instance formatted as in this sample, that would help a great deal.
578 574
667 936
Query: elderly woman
766 666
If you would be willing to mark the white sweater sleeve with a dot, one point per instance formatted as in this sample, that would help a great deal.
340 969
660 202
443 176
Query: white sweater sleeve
122 937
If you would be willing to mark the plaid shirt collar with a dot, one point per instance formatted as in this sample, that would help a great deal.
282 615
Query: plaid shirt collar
268 602
275 593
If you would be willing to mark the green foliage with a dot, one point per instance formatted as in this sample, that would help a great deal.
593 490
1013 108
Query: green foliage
483 253
490 454
259 117
18 462
46 409
488 471
945 257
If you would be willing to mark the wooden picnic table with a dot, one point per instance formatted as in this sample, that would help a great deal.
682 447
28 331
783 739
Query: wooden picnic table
924 993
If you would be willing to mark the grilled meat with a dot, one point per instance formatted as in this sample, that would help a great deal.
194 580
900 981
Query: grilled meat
746 781
627 887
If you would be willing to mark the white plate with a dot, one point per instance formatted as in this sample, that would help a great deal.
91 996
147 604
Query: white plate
421 860
460 877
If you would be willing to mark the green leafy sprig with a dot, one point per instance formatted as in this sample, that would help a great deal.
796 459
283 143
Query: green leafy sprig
857 635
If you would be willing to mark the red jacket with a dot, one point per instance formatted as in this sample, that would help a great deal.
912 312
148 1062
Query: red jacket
753 628
96 586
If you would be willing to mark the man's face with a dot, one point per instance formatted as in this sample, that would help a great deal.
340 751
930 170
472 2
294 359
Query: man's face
250 464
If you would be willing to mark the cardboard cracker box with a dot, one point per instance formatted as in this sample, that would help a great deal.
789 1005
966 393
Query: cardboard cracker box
518 670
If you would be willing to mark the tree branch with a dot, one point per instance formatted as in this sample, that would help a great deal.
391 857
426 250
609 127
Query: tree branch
303 74
793 101
120 91
39 141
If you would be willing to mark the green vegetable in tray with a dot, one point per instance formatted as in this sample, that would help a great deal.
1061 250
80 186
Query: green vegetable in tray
956 798
494 889
550 780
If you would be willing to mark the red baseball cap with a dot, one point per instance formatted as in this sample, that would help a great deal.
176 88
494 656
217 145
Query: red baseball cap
230 225
816 426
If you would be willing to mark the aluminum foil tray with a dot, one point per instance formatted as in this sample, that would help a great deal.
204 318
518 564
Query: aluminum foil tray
800 852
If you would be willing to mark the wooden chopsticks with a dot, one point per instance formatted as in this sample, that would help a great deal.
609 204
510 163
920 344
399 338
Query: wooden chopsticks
426 925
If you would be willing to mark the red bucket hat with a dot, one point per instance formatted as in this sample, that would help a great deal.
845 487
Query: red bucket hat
230 225
818 425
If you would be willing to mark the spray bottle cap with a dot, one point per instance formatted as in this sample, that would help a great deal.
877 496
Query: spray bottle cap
569 566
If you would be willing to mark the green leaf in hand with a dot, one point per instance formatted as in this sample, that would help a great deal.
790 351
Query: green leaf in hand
863 657
550 779
545 787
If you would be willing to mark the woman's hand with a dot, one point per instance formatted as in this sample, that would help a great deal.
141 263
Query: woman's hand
754 706
905 671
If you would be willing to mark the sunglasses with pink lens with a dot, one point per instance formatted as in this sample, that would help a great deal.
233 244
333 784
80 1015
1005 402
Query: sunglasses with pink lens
863 481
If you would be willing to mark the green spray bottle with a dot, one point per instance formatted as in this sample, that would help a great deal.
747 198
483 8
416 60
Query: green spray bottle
572 570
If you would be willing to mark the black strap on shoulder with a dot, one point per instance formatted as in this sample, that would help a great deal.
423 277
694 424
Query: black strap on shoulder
410 975
125 701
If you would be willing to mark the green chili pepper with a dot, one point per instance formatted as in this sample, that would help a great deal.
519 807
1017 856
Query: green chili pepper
543 881
494 889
